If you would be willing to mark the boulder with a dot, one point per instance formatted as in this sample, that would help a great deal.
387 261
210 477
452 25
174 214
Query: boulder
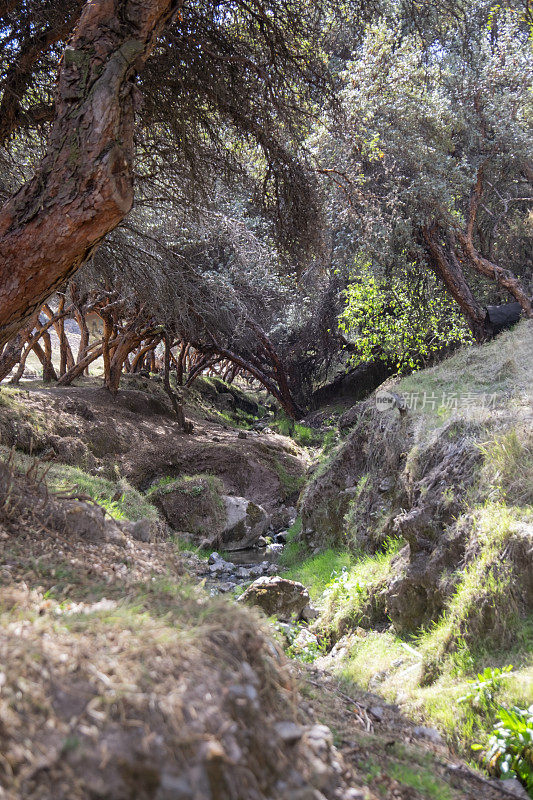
245 522
141 530
277 597
84 521
305 642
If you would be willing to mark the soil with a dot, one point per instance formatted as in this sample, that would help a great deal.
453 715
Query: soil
120 678
137 434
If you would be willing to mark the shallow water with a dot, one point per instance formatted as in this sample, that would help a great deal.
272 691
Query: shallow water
250 556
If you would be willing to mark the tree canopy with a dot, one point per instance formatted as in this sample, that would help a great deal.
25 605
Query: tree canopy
302 176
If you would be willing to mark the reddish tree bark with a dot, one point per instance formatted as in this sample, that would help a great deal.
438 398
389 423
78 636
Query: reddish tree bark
503 277
11 353
84 186
66 359
45 357
447 267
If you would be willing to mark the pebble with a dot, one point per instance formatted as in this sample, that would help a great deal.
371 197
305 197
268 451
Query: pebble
226 586
288 732
423 732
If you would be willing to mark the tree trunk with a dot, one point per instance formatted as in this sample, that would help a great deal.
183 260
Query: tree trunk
447 267
45 357
94 352
184 424
66 359
138 359
84 186
503 277
12 351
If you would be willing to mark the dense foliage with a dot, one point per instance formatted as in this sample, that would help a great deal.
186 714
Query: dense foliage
349 177
406 319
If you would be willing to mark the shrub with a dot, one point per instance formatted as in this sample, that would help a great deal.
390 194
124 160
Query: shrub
510 749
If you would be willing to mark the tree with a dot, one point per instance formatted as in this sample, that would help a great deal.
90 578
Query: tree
400 320
84 185
432 161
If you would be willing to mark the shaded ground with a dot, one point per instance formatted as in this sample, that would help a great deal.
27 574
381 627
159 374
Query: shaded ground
121 678
137 435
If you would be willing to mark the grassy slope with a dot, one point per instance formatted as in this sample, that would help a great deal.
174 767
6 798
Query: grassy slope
429 673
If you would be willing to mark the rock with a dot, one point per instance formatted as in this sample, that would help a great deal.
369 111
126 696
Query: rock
513 786
220 567
243 573
319 739
261 542
75 518
423 732
386 485
281 537
242 435
288 732
277 596
226 586
245 523
142 530
309 613
377 712
305 641
281 518
256 571
274 548
213 557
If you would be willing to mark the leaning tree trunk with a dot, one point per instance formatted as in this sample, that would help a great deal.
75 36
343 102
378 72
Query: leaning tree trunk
447 267
84 185
11 353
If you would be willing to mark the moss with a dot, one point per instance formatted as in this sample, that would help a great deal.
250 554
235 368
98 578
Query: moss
191 503
291 484
484 612
120 499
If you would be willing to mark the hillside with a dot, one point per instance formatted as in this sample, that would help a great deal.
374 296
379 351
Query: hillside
132 680
427 508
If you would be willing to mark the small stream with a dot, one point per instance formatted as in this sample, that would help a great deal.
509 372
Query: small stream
225 572
251 556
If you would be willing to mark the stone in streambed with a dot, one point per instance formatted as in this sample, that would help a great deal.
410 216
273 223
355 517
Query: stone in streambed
245 523
277 597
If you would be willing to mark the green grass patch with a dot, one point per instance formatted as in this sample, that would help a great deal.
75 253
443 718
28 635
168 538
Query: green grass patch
507 473
484 613
120 499
420 780
354 596
315 571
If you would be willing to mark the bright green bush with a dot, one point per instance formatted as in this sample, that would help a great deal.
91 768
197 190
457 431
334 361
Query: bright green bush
510 750
399 318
